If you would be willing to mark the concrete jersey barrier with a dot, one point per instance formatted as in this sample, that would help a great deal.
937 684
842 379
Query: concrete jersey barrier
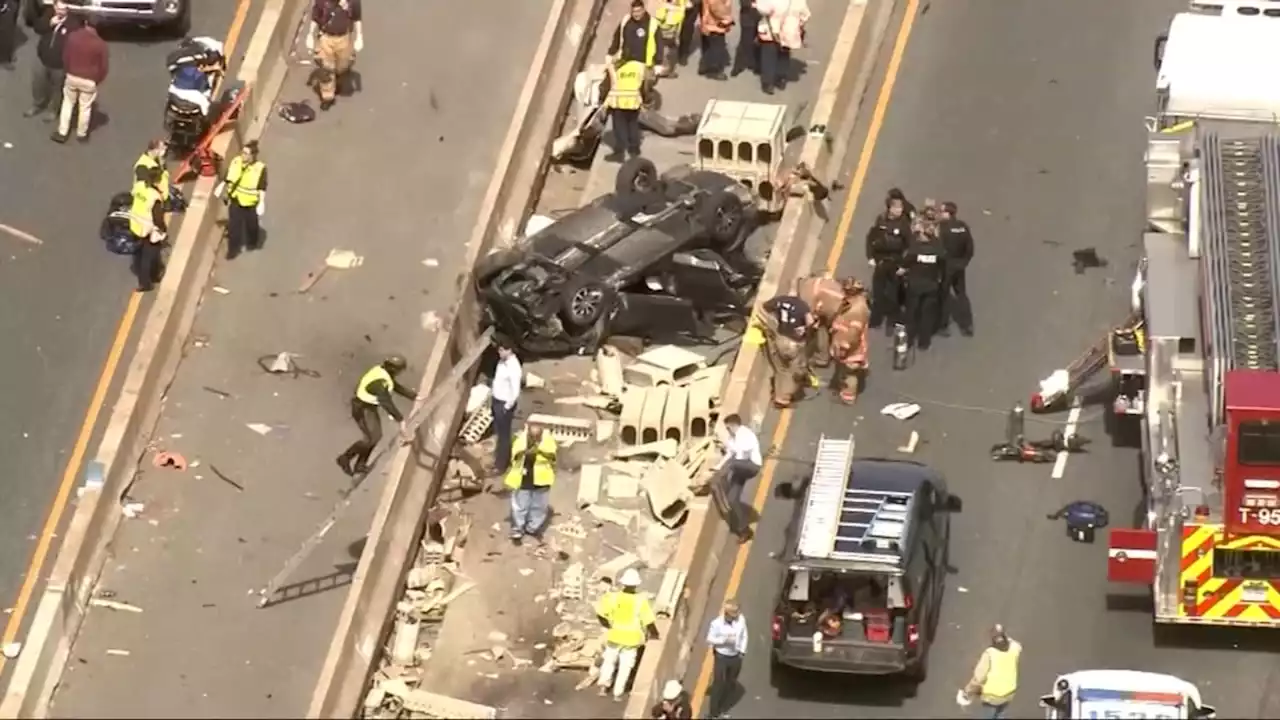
61 607
415 473
705 536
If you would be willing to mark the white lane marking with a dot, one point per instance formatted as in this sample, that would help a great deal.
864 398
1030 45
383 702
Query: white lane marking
1073 419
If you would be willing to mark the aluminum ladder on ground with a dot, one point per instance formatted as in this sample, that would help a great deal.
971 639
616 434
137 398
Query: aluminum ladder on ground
825 499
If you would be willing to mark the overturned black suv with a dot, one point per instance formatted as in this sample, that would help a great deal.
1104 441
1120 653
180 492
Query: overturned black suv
661 255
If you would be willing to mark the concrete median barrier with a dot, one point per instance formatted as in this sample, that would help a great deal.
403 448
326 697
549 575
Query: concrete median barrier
704 538
414 474
60 609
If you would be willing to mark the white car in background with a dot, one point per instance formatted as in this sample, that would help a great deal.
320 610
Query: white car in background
1124 694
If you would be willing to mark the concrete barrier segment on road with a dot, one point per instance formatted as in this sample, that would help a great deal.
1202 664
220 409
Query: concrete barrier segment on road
61 607
416 472
849 72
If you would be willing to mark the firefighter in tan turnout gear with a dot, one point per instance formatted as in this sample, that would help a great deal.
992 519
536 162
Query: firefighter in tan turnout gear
828 298
787 322
849 341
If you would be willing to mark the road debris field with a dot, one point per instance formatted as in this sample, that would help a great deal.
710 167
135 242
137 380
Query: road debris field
488 628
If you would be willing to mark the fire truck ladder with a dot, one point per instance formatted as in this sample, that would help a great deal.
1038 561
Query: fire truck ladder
1241 185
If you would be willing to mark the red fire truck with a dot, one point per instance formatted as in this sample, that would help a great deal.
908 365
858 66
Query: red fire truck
1210 279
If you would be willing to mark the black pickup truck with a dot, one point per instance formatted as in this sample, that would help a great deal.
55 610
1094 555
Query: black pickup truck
170 16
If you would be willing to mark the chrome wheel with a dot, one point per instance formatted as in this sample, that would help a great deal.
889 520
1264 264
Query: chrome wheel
586 303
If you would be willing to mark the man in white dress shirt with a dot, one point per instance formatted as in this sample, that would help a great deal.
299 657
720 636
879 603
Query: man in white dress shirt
741 462
507 379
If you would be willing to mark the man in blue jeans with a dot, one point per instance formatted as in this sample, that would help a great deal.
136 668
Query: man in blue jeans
508 376
530 479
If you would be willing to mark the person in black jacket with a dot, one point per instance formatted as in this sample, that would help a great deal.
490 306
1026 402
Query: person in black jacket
8 32
958 242
48 74
925 265
886 242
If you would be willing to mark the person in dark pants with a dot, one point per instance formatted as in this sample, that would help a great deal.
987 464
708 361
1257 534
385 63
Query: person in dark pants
727 638
373 392
687 31
746 55
48 75
715 20
245 190
957 240
886 242
628 85
8 32
741 464
925 263
147 223
508 378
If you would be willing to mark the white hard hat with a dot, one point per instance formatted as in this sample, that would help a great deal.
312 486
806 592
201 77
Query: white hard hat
630 578
672 690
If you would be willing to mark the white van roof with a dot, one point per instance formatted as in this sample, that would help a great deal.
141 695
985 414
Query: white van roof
1222 66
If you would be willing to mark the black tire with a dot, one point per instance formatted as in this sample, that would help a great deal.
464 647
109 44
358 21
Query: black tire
583 303
725 219
493 263
636 175
918 672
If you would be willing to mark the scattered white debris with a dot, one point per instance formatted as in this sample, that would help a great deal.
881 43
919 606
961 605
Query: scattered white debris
526 572
430 321
12 649
431 262
259 428
283 362
118 653
900 410
963 589
114 605
132 510
910 447
8 146
343 259
221 290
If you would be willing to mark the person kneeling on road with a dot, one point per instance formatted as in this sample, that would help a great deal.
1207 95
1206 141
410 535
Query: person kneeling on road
147 223
849 342
373 392
532 473
630 622
787 321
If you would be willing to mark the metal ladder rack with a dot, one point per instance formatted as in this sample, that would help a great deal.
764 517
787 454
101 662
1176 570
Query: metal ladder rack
872 522
1241 181
826 490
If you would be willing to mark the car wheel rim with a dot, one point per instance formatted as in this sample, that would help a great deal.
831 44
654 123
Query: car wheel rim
642 182
586 302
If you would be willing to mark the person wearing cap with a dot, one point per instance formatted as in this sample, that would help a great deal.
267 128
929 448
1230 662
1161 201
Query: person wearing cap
147 223
630 622
245 190
957 239
674 704
530 479
373 392
156 156
727 638
995 677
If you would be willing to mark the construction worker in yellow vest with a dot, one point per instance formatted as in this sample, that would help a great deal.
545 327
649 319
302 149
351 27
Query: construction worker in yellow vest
672 41
154 157
628 80
245 191
373 391
995 677
530 477
630 622
147 223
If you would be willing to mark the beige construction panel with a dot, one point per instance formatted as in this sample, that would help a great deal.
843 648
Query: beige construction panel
743 140
589 480
716 376
677 362
675 414
655 404
609 369
699 413
632 407
645 375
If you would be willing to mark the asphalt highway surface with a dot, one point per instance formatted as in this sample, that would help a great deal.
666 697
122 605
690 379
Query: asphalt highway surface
1029 115
62 295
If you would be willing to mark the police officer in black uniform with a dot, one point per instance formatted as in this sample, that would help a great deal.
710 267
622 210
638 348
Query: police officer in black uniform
957 241
925 263
896 194
886 241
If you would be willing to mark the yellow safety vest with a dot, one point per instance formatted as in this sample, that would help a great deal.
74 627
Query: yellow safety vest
1002 677
671 14
544 473
628 81
149 162
628 615
375 373
145 198
651 42
243 181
